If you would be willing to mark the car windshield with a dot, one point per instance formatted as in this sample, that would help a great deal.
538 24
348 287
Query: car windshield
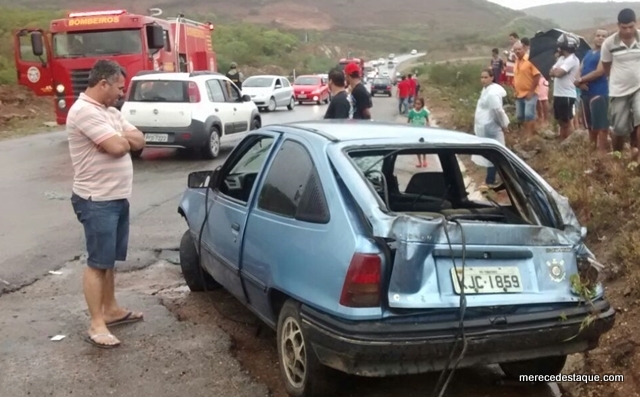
98 43
258 82
307 81
159 91
381 81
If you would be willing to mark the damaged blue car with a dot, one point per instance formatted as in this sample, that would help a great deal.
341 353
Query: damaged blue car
367 264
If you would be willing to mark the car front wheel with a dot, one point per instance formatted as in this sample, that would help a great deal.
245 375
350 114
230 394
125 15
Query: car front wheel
197 279
537 366
292 104
272 104
302 373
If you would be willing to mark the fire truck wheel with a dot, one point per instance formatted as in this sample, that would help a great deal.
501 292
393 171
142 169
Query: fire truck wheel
272 104
292 104
212 149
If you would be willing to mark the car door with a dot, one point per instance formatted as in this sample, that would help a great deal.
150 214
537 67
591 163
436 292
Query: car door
221 108
229 206
234 97
287 88
278 92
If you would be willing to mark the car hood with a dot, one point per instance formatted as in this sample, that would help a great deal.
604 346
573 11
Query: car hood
256 91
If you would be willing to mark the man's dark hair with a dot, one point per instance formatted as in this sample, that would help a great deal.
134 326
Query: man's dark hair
514 35
626 16
105 69
336 76
525 41
403 77
495 51
409 75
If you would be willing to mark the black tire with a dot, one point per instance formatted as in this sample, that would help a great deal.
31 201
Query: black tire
255 124
135 154
207 151
299 102
315 379
292 104
538 366
197 279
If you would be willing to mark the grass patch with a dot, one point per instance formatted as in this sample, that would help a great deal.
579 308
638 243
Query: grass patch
603 191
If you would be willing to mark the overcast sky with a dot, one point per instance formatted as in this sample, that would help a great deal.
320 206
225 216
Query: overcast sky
520 4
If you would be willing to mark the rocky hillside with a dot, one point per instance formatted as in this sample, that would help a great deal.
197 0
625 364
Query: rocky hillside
579 15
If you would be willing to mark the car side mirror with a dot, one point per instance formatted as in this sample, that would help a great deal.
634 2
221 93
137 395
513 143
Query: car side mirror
155 37
246 98
583 233
37 44
278 86
200 179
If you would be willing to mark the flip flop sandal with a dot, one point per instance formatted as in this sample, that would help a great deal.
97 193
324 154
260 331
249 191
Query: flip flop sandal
127 319
91 339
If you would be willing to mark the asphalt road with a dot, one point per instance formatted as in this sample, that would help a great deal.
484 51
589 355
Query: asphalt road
38 231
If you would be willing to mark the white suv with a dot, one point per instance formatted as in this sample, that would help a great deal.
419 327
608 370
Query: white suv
198 111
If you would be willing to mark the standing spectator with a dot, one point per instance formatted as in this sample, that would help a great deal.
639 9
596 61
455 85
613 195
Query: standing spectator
412 89
490 121
526 45
543 101
417 82
360 97
339 107
419 115
497 65
595 94
565 72
526 81
403 95
100 142
235 75
620 60
514 39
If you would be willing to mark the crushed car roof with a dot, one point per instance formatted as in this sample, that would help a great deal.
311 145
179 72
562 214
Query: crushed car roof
350 130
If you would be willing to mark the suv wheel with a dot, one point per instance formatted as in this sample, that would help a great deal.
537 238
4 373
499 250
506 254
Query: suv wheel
256 124
212 149
292 104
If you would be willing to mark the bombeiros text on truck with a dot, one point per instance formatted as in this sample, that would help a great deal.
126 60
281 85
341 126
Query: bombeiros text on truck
57 63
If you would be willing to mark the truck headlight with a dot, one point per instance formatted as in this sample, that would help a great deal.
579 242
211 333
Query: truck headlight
60 88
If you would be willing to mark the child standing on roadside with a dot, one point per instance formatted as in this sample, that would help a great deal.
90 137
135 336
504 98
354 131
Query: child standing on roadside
419 115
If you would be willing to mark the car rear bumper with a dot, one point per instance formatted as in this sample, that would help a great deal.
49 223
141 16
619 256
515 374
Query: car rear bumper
308 98
387 347
380 91
193 136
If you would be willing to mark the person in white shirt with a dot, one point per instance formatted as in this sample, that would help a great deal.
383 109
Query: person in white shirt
565 72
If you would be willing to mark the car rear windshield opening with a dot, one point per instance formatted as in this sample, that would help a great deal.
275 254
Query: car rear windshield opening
451 185
159 91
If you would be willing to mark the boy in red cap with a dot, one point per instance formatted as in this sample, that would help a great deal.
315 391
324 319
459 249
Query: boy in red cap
359 97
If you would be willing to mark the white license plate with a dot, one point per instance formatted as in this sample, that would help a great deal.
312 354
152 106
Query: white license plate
488 280
302 96
156 137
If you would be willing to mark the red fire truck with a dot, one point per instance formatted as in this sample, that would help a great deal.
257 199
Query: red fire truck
57 63
345 61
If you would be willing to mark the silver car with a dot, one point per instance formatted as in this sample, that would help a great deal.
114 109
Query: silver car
269 92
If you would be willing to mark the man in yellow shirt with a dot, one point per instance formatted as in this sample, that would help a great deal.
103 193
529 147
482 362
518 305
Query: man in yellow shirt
525 83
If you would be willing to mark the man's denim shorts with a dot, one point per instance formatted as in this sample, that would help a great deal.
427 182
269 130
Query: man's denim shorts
526 108
106 230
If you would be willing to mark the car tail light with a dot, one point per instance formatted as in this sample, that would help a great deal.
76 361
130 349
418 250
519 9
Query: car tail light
362 285
194 92
388 87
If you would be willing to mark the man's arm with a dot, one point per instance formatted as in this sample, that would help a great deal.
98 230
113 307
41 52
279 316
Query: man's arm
363 101
134 136
596 74
95 126
606 58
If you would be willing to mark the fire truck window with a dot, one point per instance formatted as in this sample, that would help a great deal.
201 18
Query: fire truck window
216 94
114 42
26 52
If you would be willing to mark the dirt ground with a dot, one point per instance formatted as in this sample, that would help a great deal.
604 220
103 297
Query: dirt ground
22 113
619 350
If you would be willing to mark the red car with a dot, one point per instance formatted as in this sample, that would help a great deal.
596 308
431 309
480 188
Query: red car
311 88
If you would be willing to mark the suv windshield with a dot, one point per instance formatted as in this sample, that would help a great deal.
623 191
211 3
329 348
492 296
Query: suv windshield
91 44
307 81
159 91
258 82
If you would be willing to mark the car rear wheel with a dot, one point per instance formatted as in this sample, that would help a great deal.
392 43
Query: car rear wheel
212 149
538 366
272 104
197 279
292 104
302 373
256 124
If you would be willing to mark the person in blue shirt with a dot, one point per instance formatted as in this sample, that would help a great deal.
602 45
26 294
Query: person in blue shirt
595 94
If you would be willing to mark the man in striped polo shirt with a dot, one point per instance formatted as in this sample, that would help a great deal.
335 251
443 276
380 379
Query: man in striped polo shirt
620 58
100 142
